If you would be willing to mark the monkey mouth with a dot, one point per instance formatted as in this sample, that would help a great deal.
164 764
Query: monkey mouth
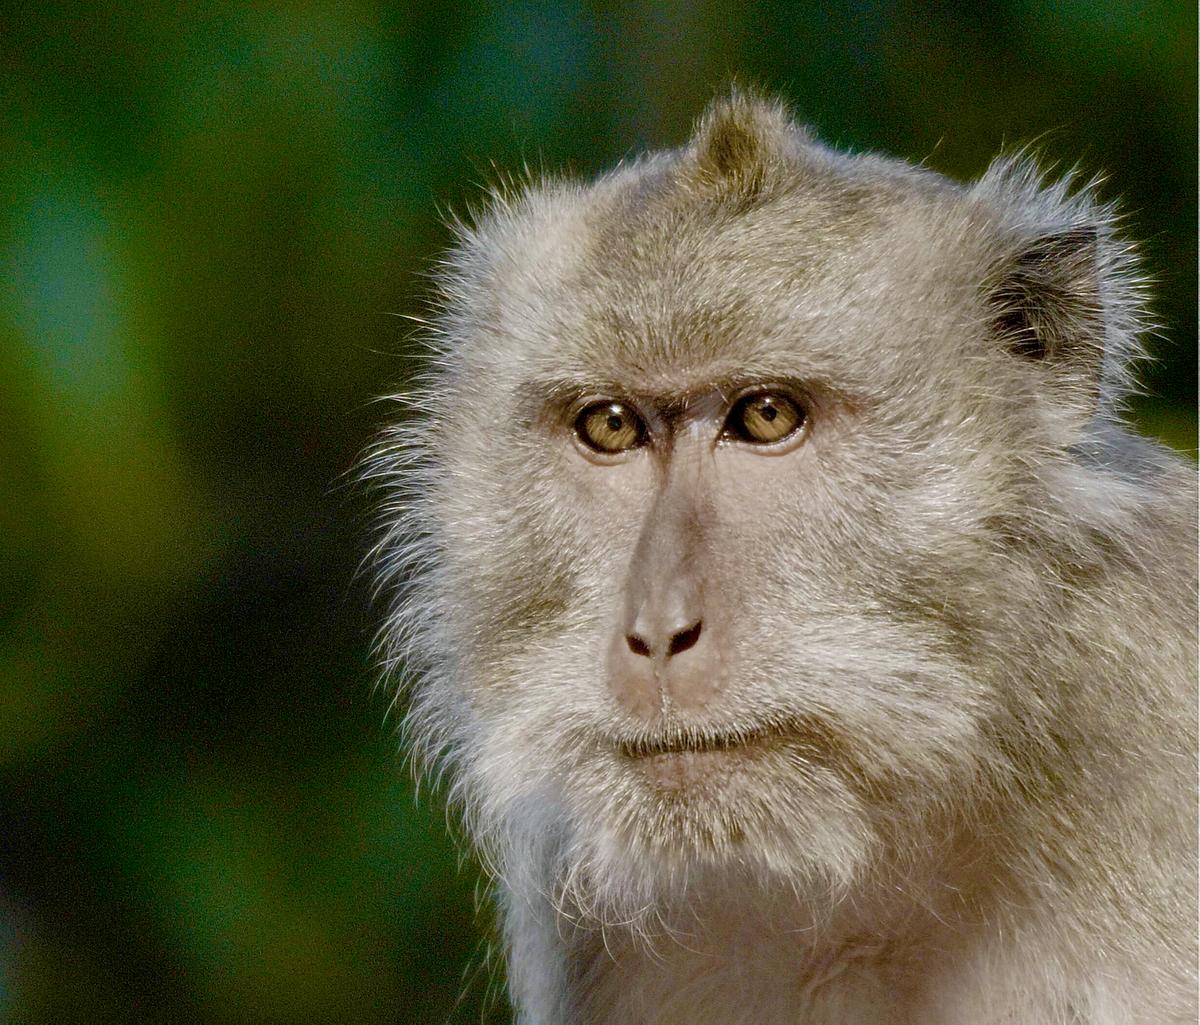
686 759
693 760
695 742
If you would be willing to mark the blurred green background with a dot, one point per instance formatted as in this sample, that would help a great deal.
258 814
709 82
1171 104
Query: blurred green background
207 213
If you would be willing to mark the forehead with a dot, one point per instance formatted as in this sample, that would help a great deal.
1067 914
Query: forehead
638 278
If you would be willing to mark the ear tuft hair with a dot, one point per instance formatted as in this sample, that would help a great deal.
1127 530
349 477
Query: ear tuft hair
740 145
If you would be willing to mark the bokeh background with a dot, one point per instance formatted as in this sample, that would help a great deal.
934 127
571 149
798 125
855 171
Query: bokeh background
208 213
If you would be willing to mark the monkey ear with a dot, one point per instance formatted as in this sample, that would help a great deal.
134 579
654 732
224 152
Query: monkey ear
1047 306
1065 293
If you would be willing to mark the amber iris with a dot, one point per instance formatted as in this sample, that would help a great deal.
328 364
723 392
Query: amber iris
764 418
609 427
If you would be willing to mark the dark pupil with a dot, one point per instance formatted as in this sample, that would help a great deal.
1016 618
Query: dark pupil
615 422
768 412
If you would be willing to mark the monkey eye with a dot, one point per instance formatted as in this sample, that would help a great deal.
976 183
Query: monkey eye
763 418
610 427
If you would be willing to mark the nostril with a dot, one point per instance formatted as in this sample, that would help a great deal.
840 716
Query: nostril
684 639
637 645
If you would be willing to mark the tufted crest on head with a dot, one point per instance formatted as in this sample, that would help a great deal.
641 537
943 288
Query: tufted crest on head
740 148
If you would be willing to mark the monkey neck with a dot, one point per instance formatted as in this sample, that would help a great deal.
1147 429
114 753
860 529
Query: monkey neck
737 952
734 962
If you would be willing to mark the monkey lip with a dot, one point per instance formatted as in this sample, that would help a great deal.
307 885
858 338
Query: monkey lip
691 743
685 761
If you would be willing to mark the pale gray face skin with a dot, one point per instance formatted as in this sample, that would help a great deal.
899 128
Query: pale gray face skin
656 638
667 659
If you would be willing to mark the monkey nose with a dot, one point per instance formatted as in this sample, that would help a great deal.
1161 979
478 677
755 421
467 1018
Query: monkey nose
670 642
673 662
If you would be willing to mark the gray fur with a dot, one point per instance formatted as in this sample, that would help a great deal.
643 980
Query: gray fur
965 606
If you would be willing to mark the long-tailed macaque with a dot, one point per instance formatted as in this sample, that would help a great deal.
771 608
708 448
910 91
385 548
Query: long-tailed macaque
804 635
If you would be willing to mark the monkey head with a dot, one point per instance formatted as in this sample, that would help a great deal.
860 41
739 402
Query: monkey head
734 510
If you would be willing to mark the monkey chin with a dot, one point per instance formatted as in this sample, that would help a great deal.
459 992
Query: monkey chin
691 826
655 819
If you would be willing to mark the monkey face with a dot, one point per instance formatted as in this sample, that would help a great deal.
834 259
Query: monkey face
710 491
693 569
